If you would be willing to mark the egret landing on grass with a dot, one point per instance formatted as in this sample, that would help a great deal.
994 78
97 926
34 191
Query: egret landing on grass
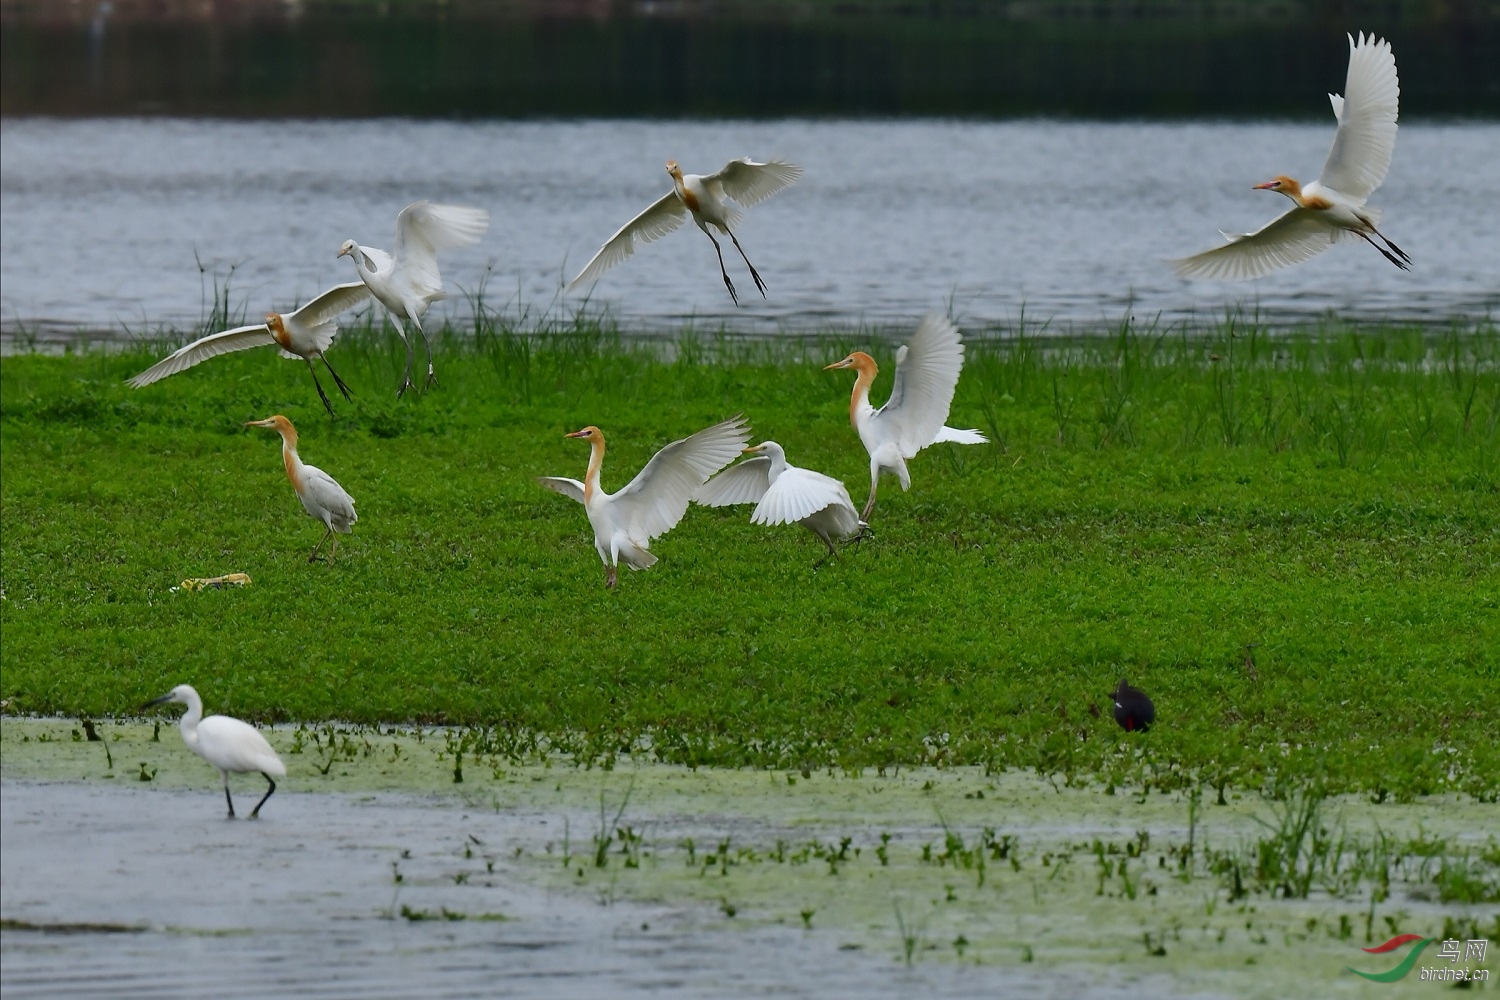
407 283
703 197
914 417
303 333
654 501
784 494
228 744
1332 207
321 497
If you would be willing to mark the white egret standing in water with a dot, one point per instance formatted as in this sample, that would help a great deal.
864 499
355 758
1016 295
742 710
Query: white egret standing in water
785 494
703 197
303 333
322 498
914 417
408 282
228 744
654 501
1332 207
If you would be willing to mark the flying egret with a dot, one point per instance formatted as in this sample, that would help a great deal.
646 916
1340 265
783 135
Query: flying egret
1332 207
303 333
409 282
654 501
926 374
228 744
784 494
322 498
701 195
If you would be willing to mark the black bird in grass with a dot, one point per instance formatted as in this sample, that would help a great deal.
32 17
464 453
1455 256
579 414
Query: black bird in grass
1133 710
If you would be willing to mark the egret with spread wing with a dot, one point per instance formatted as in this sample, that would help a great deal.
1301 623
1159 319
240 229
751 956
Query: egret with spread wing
914 417
322 498
1332 207
784 494
303 333
654 501
704 198
408 282
228 744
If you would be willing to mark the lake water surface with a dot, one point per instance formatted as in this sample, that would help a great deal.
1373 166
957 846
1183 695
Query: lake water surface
1069 221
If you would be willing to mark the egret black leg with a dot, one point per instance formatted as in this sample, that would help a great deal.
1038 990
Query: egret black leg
1387 241
321 394
226 795
1386 253
338 381
326 535
405 378
761 285
255 813
610 578
427 345
832 552
727 283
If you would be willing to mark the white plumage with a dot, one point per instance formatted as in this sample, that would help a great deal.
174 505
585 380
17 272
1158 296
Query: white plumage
785 494
1332 207
654 501
303 333
408 282
322 497
228 744
705 198
915 416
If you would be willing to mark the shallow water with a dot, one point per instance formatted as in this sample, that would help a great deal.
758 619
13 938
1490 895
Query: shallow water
1069 222
307 893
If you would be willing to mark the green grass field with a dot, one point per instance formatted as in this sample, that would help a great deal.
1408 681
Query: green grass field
1292 542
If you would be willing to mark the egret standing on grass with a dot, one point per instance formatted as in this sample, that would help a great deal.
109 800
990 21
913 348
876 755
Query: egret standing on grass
409 282
784 494
702 196
322 498
927 372
228 744
1332 207
303 333
654 501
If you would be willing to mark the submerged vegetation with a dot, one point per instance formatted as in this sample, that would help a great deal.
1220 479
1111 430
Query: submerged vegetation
1290 540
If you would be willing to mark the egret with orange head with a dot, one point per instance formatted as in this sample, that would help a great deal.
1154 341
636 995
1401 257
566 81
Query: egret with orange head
322 498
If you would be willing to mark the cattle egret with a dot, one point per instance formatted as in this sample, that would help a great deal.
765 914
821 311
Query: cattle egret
303 333
409 282
784 494
1332 207
322 498
701 195
228 744
926 374
654 501
1133 710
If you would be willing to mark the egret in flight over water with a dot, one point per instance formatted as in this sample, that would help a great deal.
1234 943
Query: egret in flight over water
303 333
784 494
228 744
915 416
322 498
654 501
703 197
408 282
1332 207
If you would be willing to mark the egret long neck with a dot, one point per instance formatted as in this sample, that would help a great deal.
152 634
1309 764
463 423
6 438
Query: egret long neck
188 724
859 400
290 459
596 461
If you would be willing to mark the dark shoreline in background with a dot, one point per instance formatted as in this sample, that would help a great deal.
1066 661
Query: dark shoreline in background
1099 59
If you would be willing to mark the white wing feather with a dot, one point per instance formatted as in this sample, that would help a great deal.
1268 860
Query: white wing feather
422 229
746 482
324 491
562 484
749 182
655 500
1294 237
927 373
232 745
1367 113
239 339
797 494
664 216
338 299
